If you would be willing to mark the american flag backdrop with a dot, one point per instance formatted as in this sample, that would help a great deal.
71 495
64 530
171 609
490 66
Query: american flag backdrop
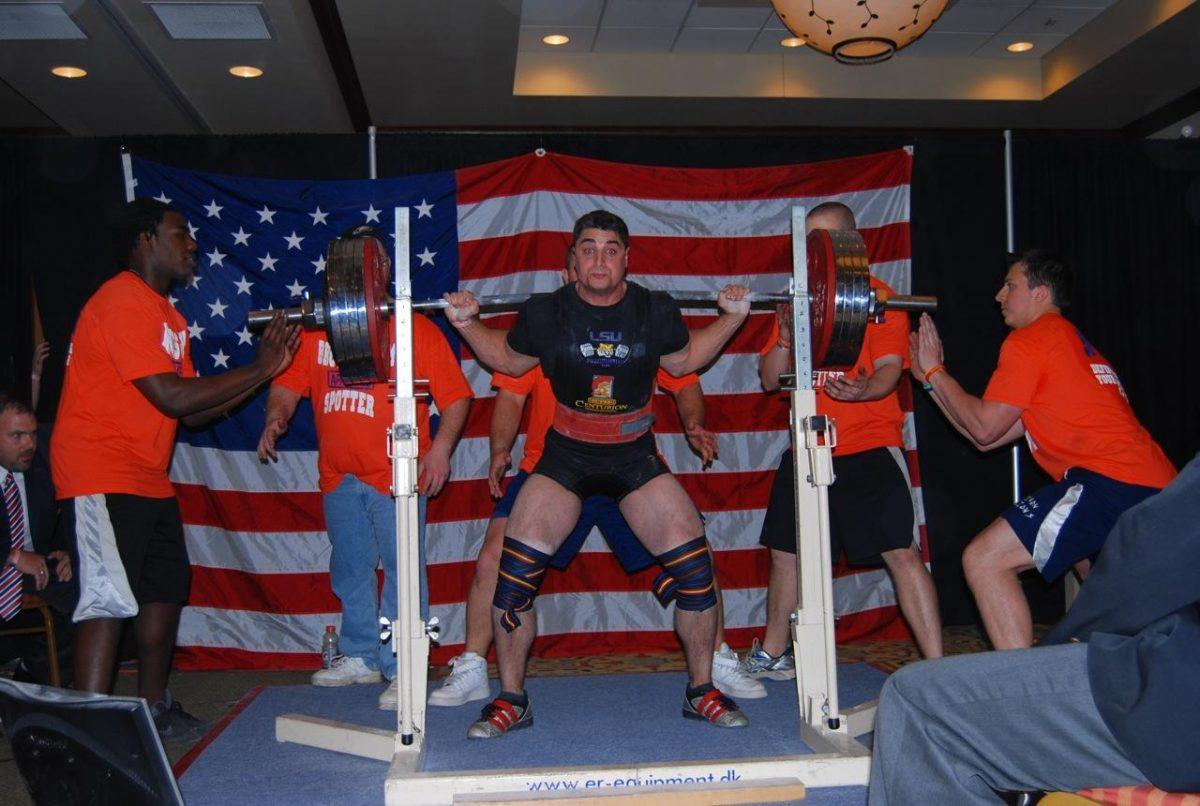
260 593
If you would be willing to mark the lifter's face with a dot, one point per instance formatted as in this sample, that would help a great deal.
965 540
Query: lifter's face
170 251
18 441
601 261
1020 304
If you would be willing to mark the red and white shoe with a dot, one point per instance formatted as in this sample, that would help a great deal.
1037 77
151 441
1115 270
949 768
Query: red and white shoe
715 708
498 717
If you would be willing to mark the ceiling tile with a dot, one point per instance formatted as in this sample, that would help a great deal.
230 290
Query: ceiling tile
964 18
634 40
942 44
774 23
561 12
581 38
1056 20
996 47
645 13
735 17
21 21
715 40
211 20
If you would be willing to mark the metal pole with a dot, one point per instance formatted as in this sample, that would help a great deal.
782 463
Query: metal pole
1015 451
127 170
371 164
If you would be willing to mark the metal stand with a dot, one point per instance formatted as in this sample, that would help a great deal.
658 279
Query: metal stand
822 725
838 759
408 633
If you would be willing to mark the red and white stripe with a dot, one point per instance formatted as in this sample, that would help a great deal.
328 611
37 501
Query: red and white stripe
260 593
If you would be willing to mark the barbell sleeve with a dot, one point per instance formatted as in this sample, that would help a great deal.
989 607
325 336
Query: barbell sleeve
260 319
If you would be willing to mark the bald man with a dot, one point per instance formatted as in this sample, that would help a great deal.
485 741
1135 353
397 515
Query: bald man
870 503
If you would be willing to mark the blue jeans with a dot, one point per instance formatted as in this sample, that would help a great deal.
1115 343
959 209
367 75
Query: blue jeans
361 522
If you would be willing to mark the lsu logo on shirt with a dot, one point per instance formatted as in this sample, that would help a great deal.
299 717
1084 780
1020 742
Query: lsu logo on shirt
173 344
604 348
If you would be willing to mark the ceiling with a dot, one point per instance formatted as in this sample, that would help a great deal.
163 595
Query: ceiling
160 66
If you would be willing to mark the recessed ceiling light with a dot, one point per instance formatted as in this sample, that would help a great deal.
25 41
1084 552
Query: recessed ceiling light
793 42
556 39
68 72
245 71
1020 47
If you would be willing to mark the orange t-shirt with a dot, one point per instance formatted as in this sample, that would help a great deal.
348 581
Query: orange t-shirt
352 421
542 403
108 436
1073 405
863 426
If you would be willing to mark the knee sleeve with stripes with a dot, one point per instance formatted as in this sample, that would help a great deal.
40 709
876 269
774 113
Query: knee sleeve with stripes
520 576
687 577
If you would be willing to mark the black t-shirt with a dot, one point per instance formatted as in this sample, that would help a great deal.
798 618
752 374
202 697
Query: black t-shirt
600 360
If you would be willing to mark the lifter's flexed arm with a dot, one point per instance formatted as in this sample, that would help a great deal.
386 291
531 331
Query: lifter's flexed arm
706 343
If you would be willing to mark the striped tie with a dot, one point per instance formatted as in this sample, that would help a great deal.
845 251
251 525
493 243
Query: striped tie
10 577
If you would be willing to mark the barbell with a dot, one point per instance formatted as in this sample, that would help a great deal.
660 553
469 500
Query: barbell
356 306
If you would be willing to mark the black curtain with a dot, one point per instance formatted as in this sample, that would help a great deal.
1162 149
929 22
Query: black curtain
1126 215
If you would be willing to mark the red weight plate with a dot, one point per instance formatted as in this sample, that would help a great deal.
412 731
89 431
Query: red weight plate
822 292
375 279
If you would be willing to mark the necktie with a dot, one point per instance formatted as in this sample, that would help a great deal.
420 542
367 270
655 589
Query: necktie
10 577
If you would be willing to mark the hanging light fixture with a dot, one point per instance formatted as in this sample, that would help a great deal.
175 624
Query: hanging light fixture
859 31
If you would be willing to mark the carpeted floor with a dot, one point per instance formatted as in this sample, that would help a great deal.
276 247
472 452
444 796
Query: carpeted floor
211 695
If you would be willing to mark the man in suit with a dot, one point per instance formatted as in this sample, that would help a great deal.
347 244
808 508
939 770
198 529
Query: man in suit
1110 698
35 545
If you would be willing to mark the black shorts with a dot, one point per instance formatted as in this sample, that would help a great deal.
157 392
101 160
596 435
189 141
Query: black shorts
588 469
870 507
148 533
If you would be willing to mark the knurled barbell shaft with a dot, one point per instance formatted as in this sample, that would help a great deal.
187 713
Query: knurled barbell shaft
897 302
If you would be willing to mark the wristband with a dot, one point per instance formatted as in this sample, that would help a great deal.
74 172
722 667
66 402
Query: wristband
934 370
784 344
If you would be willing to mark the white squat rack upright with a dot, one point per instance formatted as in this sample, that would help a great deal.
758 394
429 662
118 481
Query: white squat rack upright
837 758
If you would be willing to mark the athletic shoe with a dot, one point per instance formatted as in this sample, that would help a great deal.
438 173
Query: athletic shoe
714 708
175 724
346 672
498 717
389 700
728 675
759 664
468 681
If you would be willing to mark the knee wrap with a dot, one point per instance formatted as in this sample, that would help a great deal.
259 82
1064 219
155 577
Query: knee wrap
520 576
687 577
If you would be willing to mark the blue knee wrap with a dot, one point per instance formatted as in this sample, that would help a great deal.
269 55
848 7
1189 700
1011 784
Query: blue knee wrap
687 577
520 576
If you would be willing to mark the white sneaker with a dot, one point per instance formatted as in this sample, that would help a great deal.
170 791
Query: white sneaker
729 676
468 681
389 700
346 672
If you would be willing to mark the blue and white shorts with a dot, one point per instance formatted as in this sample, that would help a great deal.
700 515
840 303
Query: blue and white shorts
1070 520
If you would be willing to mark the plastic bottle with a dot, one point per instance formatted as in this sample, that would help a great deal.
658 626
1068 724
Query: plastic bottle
329 647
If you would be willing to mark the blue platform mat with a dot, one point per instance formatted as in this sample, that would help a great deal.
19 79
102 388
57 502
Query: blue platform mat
614 720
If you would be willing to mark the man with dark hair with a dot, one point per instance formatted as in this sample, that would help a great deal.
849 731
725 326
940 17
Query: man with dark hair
35 545
468 681
129 380
600 342
356 479
870 503
1052 386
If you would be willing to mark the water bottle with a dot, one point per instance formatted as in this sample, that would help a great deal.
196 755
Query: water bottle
329 647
